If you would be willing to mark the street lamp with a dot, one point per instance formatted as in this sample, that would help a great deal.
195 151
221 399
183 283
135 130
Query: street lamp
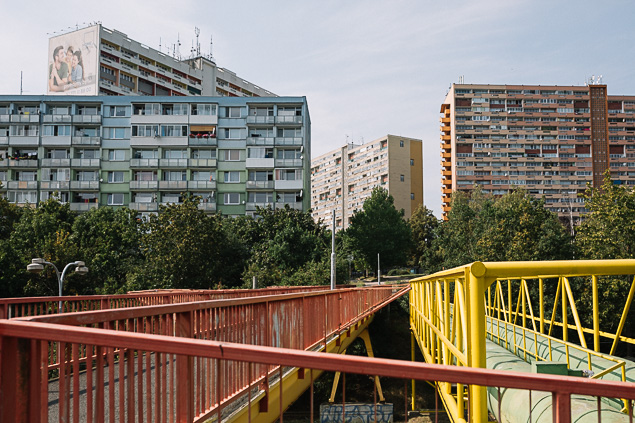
37 265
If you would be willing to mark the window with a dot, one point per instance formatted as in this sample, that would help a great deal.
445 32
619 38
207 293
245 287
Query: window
175 154
204 109
412 162
260 175
173 130
231 198
25 130
115 133
57 154
115 177
260 197
289 132
203 175
56 130
147 109
288 174
261 132
117 111
116 155
232 177
231 155
288 197
26 175
146 154
175 109
145 130
401 178
261 111
174 175
115 199
290 111
289 154
87 175
401 143
86 154
145 176
412 195
231 112
259 153
203 154
232 133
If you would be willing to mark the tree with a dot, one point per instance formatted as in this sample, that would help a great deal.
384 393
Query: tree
284 242
41 232
424 227
608 230
380 229
513 227
108 240
182 249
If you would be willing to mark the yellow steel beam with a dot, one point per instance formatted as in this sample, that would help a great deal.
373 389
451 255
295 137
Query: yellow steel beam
294 383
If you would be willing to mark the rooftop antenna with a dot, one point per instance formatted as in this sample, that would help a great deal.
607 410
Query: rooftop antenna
197 31
159 43
461 79
178 47
20 82
211 45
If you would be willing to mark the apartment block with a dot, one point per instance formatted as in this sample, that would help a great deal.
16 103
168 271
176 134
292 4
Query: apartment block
235 153
550 140
344 178
110 63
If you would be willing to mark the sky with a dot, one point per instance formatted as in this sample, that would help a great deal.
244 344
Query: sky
367 68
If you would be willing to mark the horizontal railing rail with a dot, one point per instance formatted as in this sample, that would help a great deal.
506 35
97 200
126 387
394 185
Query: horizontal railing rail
22 368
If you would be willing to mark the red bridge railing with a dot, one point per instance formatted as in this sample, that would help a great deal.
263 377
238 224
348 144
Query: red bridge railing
148 382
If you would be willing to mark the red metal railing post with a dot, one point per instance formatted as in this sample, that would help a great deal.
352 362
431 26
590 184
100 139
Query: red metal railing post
561 406
185 371
16 377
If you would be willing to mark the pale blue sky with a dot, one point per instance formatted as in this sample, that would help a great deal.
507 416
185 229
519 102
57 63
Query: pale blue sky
367 68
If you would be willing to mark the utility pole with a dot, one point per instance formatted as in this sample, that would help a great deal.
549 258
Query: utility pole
333 253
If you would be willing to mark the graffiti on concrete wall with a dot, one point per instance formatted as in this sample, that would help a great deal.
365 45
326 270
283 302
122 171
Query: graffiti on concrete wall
356 413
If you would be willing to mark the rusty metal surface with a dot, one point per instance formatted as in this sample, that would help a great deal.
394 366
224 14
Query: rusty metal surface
150 377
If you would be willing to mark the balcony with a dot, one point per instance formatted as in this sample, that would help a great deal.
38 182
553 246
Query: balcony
23 163
28 118
83 207
182 185
288 162
56 119
144 163
56 140
56 162
22 184
259 163
207 207
4 140
144 185
209 141
268 120
253 206
29 140
5 118
83 140
91 119
264 141
293 184
288 141
192 185
180 163
85 185
55 185
85 163
202 163
259 184
144 207
294 120
296 205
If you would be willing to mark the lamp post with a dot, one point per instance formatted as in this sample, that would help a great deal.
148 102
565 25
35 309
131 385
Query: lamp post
37 265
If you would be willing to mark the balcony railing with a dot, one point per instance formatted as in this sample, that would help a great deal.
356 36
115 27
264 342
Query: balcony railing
260 140
151 185
23 163
202 162
173 185
54 185
85 185
22 184
56 119
288 119
95 119
85 140
259 184
56 162
83 207
288 162
261 119
144 207
181 163
288 141
140 163
86 163
201 185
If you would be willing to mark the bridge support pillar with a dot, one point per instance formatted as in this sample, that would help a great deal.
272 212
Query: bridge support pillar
369 352
476 355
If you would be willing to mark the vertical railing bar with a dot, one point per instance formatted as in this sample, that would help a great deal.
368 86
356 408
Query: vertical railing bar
76 390
281 391
499 404
311 395
599 399
249 393
89 383
122 386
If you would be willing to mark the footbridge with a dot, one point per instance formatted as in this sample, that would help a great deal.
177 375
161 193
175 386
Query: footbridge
501 341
